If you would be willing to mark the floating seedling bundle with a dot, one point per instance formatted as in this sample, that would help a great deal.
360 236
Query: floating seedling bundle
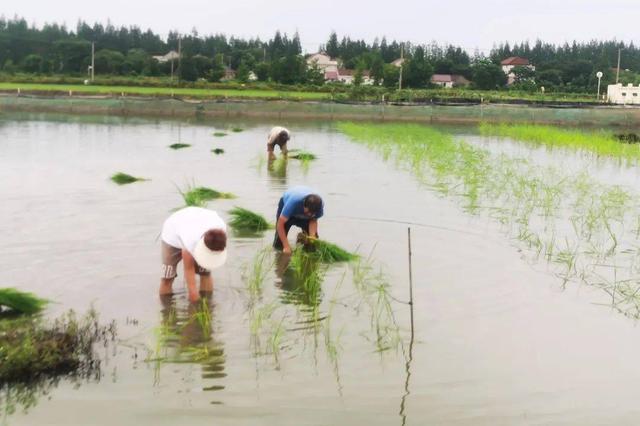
124 179
20 301
219 134
199 195
217 151
179 145
302 155
246 220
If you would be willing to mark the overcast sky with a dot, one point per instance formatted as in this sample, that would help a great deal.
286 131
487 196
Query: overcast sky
469 23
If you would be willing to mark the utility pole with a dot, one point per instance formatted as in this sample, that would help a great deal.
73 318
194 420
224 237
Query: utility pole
93 60
401 63
618 69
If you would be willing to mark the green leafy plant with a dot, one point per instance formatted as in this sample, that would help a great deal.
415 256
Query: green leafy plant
124 179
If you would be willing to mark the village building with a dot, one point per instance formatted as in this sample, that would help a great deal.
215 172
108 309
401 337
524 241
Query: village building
171 56
229 74
623 95
449 81
348 76
327 65
510 63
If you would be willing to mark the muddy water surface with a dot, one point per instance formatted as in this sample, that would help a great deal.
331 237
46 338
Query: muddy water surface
496 339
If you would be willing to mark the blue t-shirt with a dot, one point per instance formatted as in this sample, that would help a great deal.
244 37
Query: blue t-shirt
293 200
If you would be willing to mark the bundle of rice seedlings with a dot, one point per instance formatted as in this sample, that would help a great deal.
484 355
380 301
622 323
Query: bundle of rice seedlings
179 145
123 178
20 301
217 151
327 252
199 195
237 129
219 134
302 155
246 220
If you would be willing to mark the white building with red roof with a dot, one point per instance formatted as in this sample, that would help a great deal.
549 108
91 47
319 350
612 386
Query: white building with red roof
514 61
449 81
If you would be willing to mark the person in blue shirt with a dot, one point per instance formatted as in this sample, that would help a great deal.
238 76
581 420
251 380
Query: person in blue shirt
300 206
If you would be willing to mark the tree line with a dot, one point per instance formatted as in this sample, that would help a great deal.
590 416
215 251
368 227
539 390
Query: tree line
54 49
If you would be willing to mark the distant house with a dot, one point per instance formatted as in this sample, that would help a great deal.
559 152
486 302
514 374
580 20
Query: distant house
398 62
623 95
449 81
229 74
327 65
171 56
347 76
514 61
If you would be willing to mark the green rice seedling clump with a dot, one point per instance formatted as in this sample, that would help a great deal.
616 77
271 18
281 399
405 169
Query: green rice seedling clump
199 195
243 219
237 129
303 155
20 301
325 251
124 179
217 151
219 134
179 145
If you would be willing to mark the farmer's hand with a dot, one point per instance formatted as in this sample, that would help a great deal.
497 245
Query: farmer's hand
194 296
286 250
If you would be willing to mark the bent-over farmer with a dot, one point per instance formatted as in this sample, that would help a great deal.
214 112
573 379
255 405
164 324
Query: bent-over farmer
278 136
198 237
300 206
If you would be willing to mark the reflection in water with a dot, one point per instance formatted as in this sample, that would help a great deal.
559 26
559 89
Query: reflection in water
186 336
300 278
277 168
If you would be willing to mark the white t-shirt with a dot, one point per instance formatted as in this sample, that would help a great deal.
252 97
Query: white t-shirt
184 228
275 132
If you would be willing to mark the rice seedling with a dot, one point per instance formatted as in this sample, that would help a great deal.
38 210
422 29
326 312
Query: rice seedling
199 195
219 134
124 179
217 151
308 275
179 145
20 302
570 220
600 143
256 274
237 129
243 219
325 251
302 155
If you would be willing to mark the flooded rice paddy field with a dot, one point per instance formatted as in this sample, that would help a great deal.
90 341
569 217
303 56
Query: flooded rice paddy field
524 314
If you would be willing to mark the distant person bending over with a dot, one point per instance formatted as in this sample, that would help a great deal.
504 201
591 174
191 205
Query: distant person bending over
299 206
198 237
278 136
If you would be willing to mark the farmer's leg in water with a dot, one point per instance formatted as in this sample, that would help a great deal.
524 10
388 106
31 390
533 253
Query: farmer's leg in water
170 256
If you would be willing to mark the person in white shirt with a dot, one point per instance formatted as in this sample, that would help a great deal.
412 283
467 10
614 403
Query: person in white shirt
278 136
198 237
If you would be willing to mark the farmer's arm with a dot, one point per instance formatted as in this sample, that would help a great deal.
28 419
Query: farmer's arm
190 275
286 248
313 227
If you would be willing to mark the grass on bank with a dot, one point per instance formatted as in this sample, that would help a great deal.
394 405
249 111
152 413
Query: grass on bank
600 143
124 179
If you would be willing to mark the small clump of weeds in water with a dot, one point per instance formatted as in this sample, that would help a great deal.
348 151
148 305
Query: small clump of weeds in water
217 151
199 195
33 349
124 179
246 220
179 145
219 134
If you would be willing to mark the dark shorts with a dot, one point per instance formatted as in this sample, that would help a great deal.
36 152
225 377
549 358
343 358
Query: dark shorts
171 256
293 221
